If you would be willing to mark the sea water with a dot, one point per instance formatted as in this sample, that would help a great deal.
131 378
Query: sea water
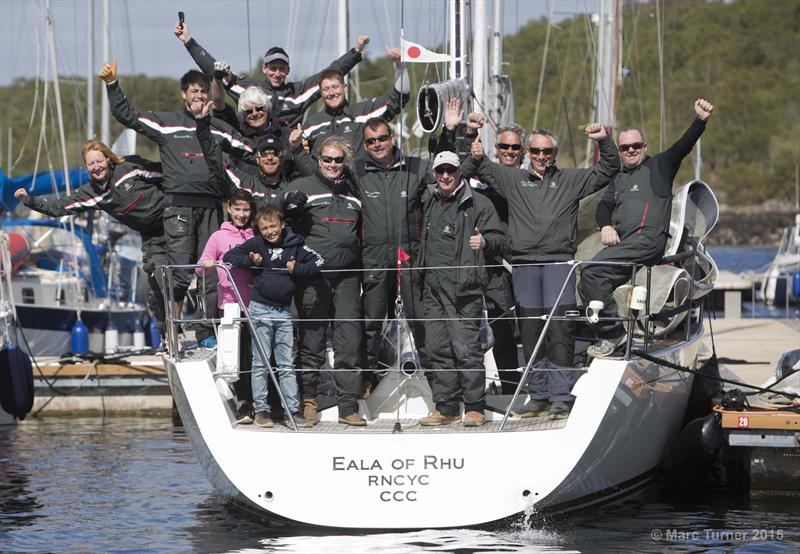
133 484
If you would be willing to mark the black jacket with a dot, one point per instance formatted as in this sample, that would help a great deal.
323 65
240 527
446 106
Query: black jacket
130 195
187 181
348 122
273 284
391 203
543 210
473 211
641 198
330 220
290 102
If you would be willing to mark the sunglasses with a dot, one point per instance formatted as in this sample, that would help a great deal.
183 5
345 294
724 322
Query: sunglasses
504 146
331 159
268 153
255 111
635 145
545 151
442 169
372 140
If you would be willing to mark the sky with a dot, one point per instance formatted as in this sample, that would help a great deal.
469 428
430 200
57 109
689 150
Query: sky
142 40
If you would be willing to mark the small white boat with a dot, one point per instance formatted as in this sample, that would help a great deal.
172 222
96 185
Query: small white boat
395 474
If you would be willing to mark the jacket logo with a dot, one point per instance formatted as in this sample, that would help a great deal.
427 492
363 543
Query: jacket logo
276 254
553 185
403 194
373 194
635 188
447 230
182 136
347 128
128 186
528 183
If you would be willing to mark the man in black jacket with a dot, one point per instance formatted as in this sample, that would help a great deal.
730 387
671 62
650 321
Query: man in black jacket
641 199
192 197
543 219
459 229
289 100
345 120
391 188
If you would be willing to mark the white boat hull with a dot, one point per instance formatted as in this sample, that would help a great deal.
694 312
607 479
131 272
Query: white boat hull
446 477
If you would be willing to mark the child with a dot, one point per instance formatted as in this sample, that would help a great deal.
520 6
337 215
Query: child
282 256
232 232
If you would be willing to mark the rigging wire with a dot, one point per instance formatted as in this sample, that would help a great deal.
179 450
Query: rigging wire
249 43
662 114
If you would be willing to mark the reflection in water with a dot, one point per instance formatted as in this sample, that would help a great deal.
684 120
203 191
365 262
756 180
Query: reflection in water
117 484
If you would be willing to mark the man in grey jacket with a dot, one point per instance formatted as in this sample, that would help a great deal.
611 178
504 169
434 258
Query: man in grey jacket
543 218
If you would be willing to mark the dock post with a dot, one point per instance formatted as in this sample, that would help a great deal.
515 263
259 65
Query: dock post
733 304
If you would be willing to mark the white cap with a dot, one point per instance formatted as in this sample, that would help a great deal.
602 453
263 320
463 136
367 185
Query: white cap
449 158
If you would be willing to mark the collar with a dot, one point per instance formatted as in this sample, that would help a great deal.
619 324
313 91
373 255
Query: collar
399 161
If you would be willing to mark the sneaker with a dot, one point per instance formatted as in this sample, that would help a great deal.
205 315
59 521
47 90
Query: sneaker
244 414
263 419
604 347
559 410
473 419
353 419
209 342
438 418
299 420
533 408
310 410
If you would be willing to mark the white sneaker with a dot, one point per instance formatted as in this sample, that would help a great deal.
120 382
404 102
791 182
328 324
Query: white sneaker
604 347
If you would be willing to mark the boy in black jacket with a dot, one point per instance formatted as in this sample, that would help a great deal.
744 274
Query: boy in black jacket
282 256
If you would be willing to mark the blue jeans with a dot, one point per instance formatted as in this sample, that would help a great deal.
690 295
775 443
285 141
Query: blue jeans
274 332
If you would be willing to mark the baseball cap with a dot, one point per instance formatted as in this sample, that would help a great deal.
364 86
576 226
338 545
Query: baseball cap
446 158
276 54
269 142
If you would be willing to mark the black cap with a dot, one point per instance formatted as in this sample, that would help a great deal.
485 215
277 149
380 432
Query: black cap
269 142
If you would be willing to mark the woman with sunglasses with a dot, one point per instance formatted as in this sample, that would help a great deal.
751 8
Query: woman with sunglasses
330 221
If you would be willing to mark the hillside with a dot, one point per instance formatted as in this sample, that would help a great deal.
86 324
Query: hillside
744 56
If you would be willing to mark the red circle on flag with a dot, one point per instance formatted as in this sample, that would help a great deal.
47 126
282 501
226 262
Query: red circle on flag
414 52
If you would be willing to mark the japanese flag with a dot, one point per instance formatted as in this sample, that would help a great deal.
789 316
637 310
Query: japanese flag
415 53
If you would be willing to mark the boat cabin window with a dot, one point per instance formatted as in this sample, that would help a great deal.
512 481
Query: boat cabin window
28 296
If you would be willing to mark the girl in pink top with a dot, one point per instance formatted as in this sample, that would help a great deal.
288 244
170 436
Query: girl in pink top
233 232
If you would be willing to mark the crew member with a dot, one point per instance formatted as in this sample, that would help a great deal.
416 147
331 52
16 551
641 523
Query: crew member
459 228
640 198
543 219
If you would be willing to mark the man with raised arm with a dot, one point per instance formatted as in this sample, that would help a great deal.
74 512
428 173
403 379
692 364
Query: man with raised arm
640 198
289 100
391 187
192 197
543 220
345 120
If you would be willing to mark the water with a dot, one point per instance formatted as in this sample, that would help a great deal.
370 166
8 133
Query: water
126 484
742 258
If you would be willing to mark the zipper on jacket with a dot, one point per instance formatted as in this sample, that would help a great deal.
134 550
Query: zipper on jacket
644 217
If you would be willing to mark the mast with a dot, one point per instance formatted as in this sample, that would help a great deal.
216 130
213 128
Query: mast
105 116
609 55
480 55
90 73
458 40
51 43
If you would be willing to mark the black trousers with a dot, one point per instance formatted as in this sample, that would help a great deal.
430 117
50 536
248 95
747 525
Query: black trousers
186 231
379 291
331 296
452 332
599 281
154 254
499 297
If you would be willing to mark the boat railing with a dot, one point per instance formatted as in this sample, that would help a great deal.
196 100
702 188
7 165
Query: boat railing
629 319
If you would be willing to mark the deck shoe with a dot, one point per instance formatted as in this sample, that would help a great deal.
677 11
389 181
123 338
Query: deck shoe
310 410
604 347
438 418
353 419
473 419
244 414
559 410
299 420
263 419
533 408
